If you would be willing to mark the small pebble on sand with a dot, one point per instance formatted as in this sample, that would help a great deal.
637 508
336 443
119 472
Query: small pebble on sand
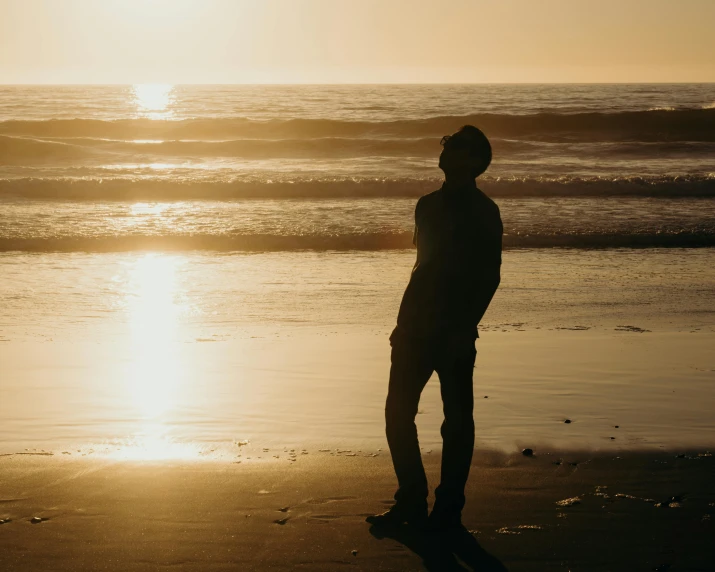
528 452
35 519
567 420
354 552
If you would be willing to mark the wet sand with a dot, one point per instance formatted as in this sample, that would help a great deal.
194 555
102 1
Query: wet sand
317 388
557 510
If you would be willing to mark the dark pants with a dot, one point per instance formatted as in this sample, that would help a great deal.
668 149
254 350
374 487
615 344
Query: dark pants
412 366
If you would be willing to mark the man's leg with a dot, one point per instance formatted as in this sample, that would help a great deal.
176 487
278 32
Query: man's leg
409 373
455 371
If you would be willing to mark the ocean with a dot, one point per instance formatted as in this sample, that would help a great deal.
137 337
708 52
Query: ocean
139 223
339 167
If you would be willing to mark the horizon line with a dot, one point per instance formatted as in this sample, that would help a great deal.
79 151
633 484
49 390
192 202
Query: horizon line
41 84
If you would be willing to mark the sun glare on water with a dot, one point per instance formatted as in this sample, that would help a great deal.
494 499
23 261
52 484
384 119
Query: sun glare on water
154 375
153 100
154 317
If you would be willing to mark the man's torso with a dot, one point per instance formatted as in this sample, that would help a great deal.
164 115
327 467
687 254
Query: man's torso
455 238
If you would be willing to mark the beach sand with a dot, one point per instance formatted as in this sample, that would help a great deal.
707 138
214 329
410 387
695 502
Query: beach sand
554 511
248 470
151 428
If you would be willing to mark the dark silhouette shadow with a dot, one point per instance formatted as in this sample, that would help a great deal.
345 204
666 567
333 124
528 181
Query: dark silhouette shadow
458 235
455 550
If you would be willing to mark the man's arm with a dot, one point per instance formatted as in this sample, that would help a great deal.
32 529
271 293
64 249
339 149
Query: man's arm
484 276
416 230
489 275
485 292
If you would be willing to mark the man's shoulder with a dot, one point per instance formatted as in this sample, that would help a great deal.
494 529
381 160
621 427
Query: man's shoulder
428 201
486 202
430 197
489 214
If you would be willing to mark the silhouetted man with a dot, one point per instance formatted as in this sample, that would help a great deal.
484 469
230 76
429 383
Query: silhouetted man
458 234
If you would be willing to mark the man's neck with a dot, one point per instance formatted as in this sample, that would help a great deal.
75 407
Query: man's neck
458 184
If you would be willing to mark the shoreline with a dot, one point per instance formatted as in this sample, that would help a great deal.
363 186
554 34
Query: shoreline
620 390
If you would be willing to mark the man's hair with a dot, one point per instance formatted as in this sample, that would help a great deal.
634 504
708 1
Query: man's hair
475 142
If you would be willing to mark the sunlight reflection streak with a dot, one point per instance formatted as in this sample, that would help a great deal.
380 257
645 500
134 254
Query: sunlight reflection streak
154 376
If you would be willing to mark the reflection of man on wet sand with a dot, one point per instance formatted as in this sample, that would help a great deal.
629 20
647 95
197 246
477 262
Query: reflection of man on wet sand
458 234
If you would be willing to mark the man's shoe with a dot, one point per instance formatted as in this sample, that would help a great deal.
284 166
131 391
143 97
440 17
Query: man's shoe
397 516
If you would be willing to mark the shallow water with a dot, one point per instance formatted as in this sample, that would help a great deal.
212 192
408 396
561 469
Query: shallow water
163 354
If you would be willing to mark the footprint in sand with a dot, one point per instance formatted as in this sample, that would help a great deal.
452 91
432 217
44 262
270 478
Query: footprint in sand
635 329
329 499
325 516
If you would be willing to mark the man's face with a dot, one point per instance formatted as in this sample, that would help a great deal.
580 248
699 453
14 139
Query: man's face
456 160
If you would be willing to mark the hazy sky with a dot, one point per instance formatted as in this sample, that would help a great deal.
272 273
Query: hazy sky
355 41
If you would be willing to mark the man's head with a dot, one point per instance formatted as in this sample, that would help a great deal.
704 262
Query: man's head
467 153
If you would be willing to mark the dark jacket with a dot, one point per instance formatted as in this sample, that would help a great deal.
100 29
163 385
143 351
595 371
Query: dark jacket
458 234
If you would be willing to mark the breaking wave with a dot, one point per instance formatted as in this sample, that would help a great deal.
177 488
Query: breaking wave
341 242
29 150
652 125
167 189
